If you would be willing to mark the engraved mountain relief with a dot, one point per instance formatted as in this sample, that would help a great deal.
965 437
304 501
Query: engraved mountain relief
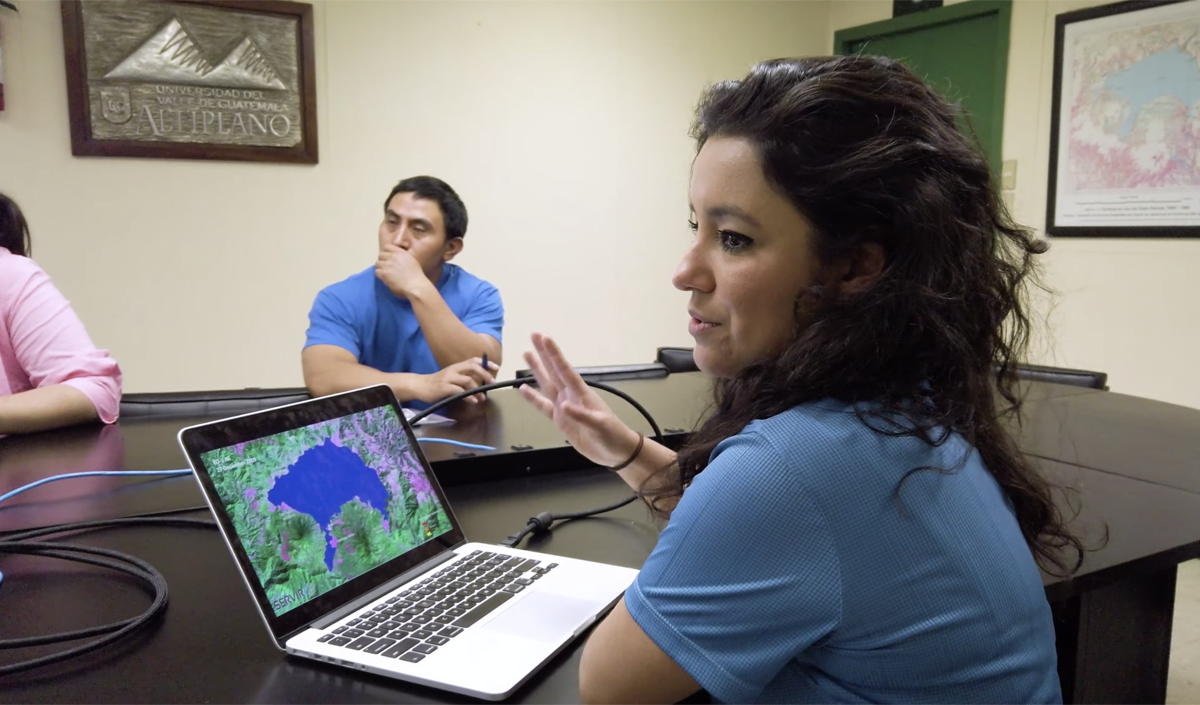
170 55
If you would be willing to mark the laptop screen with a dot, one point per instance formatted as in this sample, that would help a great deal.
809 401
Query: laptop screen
319 505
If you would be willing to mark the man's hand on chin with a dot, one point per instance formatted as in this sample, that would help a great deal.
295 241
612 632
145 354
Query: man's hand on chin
400 271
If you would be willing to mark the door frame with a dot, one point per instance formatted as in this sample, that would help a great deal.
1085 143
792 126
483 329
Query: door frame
947 14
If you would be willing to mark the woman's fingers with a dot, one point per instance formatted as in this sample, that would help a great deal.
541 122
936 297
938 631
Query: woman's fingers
555 364
539 373
582 415
539 400
549 369
568 377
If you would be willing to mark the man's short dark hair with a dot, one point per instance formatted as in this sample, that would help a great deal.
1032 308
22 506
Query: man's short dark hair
454 213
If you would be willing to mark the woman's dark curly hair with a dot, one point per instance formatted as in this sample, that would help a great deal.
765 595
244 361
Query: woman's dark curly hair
868 152
14 232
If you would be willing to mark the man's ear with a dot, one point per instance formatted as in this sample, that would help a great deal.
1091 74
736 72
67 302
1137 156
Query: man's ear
452 247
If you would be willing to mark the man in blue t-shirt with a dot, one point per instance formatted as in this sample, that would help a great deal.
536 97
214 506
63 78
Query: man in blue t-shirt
413 321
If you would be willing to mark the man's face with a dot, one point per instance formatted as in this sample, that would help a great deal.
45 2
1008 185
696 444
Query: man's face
416 225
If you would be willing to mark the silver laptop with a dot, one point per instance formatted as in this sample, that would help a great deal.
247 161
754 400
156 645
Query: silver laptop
354 557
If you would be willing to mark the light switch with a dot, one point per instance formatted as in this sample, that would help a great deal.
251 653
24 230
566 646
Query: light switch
1008 175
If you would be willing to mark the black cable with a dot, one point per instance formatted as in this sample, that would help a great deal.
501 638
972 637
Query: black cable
60 550
439 404
8 535
542 522
21 543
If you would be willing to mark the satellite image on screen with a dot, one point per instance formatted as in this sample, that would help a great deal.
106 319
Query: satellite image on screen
319 505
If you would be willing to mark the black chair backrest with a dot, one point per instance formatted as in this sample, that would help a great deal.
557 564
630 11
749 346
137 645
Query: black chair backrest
677 359
612 373
1062 375
210 403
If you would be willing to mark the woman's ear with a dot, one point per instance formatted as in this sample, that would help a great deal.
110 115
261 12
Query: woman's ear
863 268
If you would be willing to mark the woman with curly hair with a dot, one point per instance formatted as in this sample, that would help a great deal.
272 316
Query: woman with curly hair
852 522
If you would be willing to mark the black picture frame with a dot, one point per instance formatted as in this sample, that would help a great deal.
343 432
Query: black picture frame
907 7
1056 208
80 104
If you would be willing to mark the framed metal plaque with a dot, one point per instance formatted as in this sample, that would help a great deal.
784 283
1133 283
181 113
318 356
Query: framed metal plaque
182 79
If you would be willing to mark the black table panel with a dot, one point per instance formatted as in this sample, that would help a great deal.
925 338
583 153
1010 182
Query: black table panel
1149 440
1131 461
146 445
1148 526
212 645
506 420
1041 391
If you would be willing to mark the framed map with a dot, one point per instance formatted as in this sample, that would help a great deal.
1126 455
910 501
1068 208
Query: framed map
1125 121
184 79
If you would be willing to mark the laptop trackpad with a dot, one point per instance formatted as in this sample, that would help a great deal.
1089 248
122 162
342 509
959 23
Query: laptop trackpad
543 616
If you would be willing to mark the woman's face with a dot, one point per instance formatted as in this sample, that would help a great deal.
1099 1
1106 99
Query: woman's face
752 256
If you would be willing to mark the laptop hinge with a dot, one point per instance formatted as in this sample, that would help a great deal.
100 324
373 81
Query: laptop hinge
382 590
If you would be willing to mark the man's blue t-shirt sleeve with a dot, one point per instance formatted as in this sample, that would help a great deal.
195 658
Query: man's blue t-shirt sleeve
744 577
331 322
486 314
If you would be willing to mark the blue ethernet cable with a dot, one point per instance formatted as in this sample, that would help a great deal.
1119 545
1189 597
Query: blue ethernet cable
460 444
9 495
96 473
168 473
146 473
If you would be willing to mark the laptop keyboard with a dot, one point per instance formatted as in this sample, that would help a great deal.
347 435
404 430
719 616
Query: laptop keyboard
414 623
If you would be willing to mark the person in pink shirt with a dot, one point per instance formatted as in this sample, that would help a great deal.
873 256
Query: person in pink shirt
51 375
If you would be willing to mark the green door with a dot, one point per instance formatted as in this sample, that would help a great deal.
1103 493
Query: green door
961 50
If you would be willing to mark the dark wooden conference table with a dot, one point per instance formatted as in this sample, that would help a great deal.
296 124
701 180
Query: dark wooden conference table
1131 466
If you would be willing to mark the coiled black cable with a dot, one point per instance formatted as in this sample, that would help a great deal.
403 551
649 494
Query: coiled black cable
22 543
541 523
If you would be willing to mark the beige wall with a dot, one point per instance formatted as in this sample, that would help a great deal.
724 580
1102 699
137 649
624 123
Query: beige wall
1122 306
562 125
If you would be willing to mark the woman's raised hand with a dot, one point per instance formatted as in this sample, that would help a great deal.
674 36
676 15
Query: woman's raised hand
583 417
